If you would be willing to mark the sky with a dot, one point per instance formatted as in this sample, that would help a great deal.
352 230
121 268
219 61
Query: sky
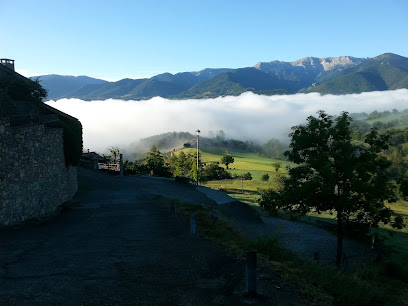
112 40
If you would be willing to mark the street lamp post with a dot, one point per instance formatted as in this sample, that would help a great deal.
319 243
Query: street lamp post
198 134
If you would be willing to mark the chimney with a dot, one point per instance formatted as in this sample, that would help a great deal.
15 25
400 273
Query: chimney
9 63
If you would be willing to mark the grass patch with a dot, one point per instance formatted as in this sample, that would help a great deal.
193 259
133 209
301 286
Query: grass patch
221 232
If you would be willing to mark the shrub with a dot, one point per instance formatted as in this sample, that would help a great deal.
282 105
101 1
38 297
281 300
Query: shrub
214 172
268 201
247 176
265 177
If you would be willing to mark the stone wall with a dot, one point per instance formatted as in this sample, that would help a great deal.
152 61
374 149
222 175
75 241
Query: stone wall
34 180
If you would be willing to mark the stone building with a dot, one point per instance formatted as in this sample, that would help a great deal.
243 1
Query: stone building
35 177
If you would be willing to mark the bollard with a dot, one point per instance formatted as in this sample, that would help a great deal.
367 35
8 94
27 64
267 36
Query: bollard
173 208
193 223
373 241
250 273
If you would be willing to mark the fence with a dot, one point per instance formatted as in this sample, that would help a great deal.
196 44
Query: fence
113 165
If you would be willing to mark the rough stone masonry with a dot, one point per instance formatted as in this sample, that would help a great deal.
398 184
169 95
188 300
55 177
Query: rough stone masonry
34 180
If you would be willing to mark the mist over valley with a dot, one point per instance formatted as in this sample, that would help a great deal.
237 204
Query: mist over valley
248 116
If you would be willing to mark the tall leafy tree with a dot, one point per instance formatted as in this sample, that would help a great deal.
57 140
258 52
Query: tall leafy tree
276 166
114 151
155 162
227 159
335 173
182 165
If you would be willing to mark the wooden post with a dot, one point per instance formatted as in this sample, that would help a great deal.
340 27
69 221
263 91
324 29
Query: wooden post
121 164
251 273
193 224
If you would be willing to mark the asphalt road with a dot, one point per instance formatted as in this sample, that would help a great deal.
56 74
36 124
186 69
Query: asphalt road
117 244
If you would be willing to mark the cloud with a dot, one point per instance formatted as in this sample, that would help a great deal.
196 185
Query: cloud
247 117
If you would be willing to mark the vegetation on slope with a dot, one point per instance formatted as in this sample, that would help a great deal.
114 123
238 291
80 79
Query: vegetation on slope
384 72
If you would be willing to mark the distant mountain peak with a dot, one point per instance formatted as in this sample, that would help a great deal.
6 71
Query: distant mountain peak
336 75
324 64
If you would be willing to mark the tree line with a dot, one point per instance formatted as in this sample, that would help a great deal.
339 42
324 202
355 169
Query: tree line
182 165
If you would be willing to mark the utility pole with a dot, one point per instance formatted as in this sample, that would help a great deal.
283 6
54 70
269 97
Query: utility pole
198 136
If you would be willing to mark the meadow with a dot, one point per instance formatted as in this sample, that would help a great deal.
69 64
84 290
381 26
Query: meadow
247 191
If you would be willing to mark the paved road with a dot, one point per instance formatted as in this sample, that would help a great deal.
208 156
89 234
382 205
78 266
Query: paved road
116 244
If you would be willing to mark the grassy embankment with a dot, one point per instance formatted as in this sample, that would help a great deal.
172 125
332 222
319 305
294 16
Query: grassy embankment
395 266
376 284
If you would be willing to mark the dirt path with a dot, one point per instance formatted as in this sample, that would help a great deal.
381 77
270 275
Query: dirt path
118 245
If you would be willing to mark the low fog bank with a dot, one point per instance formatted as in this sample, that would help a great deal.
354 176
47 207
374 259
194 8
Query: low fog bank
246 117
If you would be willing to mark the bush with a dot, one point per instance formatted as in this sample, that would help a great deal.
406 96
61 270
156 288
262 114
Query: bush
247 176
214 172
269 201
265 177
137 167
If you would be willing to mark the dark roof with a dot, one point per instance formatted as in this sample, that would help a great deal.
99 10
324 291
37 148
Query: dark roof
44 106
56 111
92 155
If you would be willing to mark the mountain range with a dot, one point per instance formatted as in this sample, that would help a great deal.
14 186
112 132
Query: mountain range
332 75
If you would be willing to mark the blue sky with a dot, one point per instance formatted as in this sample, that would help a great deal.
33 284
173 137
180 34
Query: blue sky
117 39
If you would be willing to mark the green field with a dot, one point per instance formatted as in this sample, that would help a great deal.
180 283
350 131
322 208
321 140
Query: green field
243 190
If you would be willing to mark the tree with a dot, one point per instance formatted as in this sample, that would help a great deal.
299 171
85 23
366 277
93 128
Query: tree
265 177
226 160
276 166
334 173
278 181
273 148
403 186
19 89
182 164
155 162
114 151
